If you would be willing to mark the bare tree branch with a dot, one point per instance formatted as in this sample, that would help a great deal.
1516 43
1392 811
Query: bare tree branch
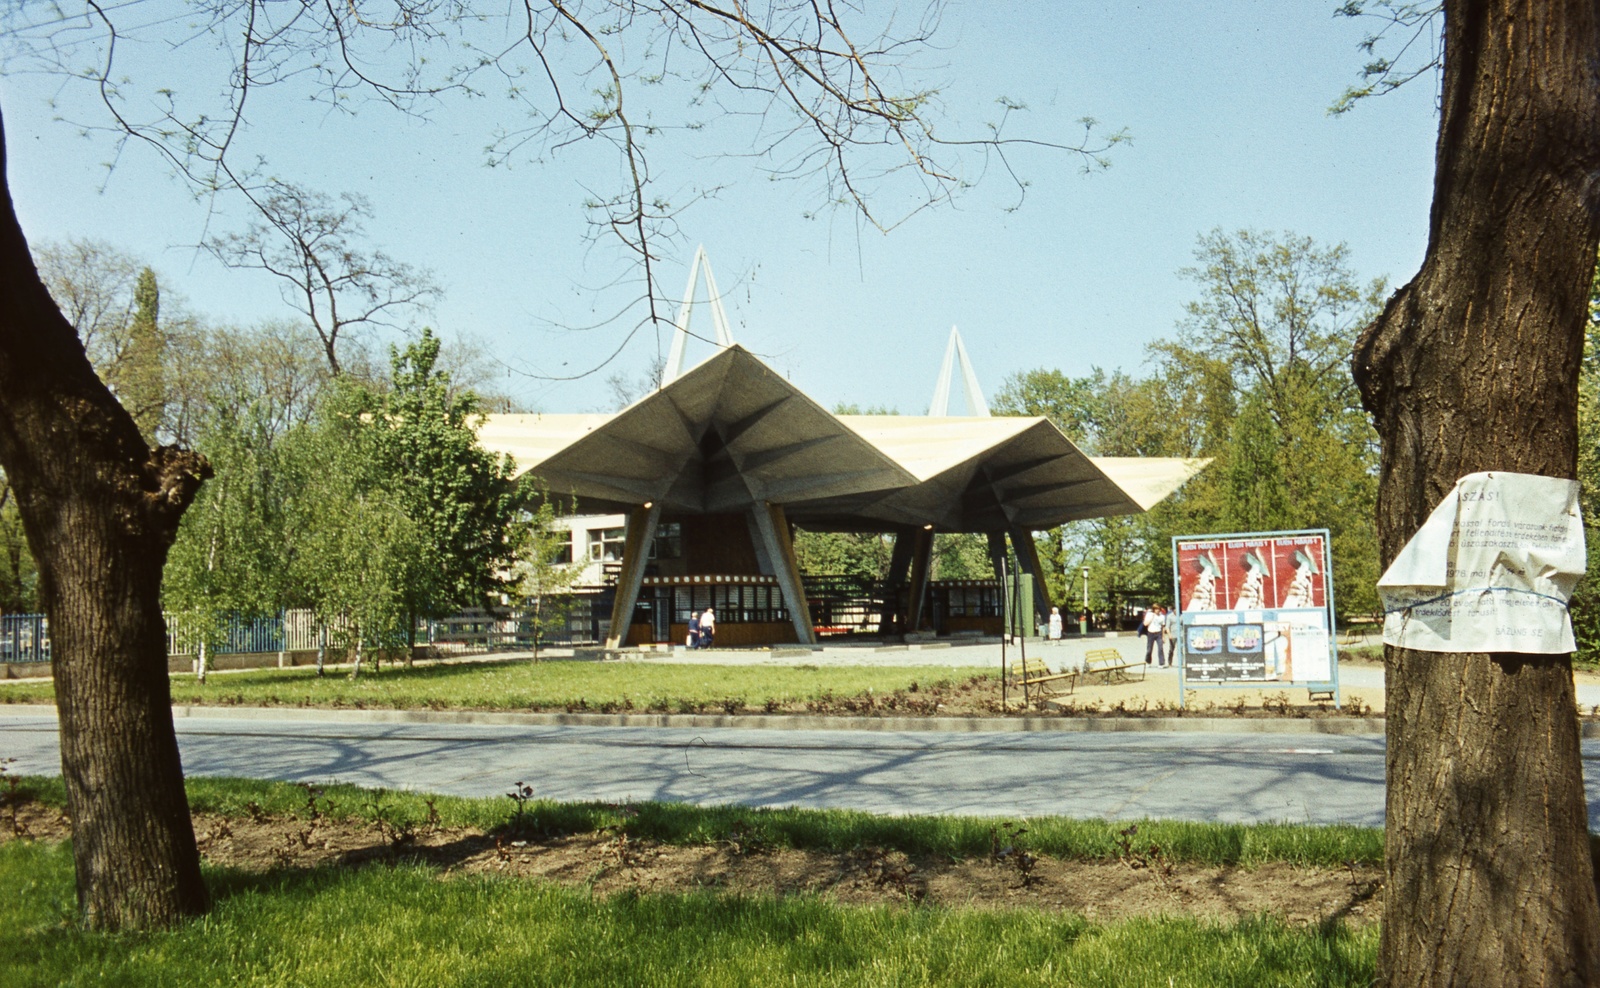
829 89
311 243
1408 27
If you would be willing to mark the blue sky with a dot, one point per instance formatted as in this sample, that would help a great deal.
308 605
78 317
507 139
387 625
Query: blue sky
1225 102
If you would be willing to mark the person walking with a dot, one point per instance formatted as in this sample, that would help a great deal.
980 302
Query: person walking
1153 626
1167 639
708 627
1055 625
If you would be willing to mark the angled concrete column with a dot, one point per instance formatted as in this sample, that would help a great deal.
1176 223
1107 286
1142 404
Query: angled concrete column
894 583
921 567
1028 559
900 557
642 523
764 560
997 553
773 525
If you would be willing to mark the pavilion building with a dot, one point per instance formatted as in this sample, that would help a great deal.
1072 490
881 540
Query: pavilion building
710 475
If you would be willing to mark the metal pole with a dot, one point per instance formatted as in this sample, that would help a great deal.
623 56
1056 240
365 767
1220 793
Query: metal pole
1005 630
1022 637
1083 617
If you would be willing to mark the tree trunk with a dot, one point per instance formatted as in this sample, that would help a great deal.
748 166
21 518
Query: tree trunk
1473 366
100 510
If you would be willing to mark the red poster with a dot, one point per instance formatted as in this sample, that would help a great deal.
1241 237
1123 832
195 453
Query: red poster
1300 572
1251 574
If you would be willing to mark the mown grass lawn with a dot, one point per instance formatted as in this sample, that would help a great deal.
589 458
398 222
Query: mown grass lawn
558 685
409 924
1186 842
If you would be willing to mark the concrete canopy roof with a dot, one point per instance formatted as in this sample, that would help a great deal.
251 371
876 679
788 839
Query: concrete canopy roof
727 434
732 433
1149 479
977 475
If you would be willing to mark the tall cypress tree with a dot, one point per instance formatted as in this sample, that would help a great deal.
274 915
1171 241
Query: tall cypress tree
142 382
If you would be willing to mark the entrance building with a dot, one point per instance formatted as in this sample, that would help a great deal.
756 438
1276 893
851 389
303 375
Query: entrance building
713 470
710 474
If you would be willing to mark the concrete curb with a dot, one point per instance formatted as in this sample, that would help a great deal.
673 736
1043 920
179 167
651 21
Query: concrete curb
788 722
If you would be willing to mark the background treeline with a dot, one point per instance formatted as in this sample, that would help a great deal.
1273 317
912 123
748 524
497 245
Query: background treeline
1256 377
351 486
344 485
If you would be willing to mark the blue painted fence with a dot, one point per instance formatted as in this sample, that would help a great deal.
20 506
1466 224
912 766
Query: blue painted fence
24 638
582 620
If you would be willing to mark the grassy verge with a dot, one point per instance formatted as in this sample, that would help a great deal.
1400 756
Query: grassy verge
563 686
404 926
821 830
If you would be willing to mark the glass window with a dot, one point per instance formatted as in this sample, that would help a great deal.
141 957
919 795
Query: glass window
668 543
606 543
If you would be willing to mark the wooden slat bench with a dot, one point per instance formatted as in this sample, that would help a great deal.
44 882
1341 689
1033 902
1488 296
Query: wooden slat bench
1108 662
1037 676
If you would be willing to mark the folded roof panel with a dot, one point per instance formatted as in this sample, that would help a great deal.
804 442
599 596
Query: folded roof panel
733 432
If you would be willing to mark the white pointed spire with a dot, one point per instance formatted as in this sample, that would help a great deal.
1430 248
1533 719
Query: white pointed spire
719 319
953 351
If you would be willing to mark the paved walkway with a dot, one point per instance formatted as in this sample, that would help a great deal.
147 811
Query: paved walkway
1181 775
1361 681
1185 776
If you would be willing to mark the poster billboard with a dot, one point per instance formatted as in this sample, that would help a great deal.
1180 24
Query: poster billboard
1255 608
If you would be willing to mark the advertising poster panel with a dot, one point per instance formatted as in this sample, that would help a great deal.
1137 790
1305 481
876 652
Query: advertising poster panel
1255 608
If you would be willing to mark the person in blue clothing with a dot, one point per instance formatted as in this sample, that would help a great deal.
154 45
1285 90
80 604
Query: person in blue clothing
694 631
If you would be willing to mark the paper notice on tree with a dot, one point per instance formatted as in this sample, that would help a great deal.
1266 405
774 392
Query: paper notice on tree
1490 570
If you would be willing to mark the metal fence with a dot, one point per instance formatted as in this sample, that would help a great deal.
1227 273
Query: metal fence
24 638
582 617
579 618
290 631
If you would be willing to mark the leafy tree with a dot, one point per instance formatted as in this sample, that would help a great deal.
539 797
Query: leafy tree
245 393
94 285
543 573
1281 310
291 454
1256 493
863 554
1104 414
1473 366
351 543
268 372
1586 597
1075 405
143 390
18 575
961 556
228 556
460 499
1268 336
1255 379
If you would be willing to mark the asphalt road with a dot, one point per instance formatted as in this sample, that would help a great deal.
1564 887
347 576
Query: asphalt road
1172 775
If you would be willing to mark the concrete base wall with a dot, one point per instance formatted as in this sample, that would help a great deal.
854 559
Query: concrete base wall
269 660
